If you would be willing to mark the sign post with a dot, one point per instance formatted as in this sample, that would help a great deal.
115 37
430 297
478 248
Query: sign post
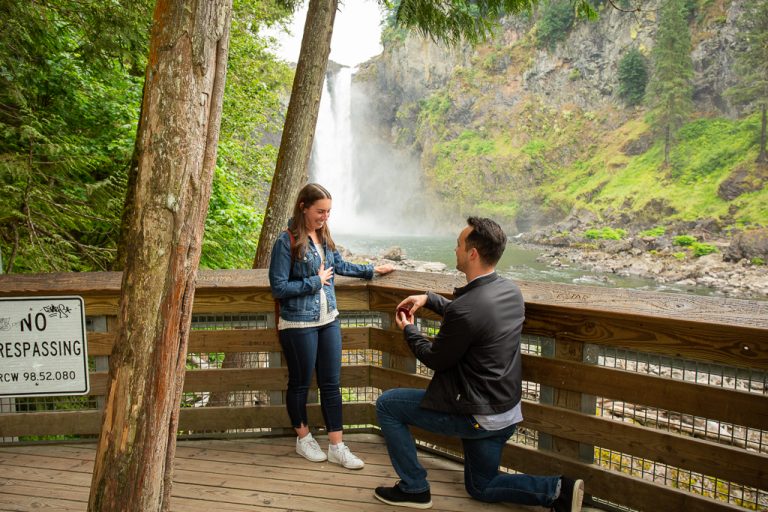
43 349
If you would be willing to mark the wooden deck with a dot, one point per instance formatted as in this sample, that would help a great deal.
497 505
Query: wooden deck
234 475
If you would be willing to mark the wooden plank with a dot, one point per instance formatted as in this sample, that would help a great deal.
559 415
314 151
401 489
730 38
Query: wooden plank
568 399
691 309
232 340
742 346
389 341
387 378
738 407
603 301
606 484
242 379
698 455
192 419
224 474
50 423
265 416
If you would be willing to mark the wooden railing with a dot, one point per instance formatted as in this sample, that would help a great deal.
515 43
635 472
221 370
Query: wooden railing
570 332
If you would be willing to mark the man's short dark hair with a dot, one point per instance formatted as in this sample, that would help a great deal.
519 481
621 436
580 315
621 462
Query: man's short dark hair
488 238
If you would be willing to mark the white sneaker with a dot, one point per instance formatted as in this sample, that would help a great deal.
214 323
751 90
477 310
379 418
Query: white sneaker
340 454
308 448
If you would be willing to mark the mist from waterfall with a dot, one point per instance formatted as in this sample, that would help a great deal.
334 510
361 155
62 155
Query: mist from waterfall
376 188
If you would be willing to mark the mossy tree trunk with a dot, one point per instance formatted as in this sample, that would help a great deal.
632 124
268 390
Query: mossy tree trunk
176 153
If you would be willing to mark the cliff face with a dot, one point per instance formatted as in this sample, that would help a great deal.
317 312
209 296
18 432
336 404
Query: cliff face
506 128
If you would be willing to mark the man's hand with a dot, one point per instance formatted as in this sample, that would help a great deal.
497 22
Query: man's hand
412 304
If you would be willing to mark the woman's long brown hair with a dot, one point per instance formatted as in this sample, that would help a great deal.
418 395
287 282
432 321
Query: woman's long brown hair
308 195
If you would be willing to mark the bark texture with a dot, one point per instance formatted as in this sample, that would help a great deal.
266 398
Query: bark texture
300 121
176 152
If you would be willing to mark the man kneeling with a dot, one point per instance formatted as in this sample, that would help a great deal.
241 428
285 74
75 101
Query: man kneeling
476 391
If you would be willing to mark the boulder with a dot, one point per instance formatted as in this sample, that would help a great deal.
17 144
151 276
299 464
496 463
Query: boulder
394 253
748 245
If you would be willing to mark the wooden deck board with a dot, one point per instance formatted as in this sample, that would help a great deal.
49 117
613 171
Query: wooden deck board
262 474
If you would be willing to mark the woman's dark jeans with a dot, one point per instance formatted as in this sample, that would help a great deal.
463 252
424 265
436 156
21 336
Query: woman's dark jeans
313 349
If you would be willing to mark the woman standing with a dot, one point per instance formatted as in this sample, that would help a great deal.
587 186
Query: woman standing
304 260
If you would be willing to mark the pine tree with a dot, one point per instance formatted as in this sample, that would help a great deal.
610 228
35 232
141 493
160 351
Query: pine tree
670 90
633 77
751 66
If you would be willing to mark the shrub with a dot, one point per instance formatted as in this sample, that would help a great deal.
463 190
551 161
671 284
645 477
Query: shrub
555 23
657 231
684 240
757 261
633 77
679 255
702 249
605 233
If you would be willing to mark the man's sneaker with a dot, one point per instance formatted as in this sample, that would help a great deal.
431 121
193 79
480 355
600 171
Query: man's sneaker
571 496
340 454
394 496
308 448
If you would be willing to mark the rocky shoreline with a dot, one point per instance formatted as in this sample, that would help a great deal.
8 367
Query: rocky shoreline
731 279
727 272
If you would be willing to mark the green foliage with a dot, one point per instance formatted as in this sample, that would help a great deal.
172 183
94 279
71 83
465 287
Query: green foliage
751 66
232 225
71 77
468 143
655 232
555 23
670 91
433 109
633 77
605 233
684 240
679 255
757 261
251 114
453 21
702 249
70 90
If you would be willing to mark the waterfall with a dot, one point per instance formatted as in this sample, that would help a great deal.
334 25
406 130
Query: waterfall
376 188
331 160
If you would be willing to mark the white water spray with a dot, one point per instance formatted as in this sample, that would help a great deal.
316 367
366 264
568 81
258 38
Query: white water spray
376 188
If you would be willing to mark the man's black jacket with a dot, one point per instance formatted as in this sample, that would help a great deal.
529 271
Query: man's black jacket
476 354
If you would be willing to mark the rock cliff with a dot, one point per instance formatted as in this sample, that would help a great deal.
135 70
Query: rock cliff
528 134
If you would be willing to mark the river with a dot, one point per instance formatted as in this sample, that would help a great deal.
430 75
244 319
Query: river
517 263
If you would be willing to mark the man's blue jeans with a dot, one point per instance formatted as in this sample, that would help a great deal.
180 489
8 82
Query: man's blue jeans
307 350
396 409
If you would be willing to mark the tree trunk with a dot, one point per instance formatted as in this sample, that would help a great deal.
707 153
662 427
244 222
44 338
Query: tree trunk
129 205
667 144
176 149
762 157
300 121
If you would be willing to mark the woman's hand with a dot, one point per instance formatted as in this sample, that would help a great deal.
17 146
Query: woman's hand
325 274
384 269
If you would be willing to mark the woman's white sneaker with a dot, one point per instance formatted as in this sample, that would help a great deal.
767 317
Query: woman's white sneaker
308 448
340 454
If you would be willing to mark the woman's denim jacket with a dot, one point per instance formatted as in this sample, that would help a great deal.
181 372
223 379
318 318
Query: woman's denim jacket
296 283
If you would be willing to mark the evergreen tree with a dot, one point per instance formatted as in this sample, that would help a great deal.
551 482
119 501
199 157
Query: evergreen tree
752 65
670 90
555 23
633 77
70 89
